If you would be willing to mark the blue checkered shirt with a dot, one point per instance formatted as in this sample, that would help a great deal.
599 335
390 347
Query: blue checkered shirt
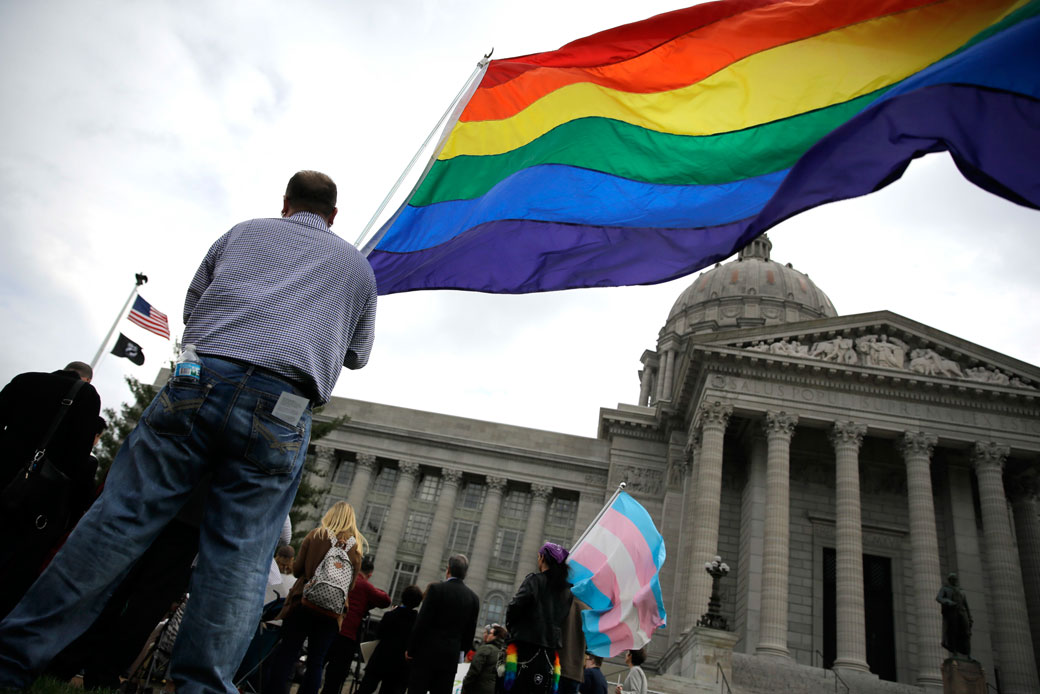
287 295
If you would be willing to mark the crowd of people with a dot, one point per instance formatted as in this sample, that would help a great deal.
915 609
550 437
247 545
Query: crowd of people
193 513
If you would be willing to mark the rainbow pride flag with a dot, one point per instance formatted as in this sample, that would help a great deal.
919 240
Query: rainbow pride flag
649 151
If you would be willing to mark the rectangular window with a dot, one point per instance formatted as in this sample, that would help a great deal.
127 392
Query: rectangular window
386 481
428 489
507 549
417 529
405 574
472 496
345 472
460 539
496 597
372 521
562 512
516 504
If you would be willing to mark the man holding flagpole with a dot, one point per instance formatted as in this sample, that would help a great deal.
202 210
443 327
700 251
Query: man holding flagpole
275 310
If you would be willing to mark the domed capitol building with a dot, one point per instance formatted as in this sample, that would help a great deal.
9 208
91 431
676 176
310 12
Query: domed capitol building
842 466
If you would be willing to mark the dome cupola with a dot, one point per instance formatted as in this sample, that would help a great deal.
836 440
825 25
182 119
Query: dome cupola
748 292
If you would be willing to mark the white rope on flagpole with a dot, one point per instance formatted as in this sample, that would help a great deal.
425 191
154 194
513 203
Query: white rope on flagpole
621 488
478 71
139 279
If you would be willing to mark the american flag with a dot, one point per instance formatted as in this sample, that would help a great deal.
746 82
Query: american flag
145 315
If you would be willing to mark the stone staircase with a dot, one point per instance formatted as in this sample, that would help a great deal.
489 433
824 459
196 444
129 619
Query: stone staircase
757 675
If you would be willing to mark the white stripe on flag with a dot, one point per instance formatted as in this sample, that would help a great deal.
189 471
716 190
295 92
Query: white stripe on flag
624 570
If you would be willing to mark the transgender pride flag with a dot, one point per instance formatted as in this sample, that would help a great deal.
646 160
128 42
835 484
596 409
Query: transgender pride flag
613 570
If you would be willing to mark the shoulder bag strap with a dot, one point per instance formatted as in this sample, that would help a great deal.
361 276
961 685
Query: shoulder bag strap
66 402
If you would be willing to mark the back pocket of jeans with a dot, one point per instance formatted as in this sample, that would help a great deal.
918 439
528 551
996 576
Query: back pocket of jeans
273 444
173 411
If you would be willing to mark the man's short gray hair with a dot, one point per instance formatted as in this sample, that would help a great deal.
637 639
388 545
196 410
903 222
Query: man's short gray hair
458 565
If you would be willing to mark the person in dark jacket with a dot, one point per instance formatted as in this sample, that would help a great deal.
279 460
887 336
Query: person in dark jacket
594 682
362 599
28 407
483 669
443 630
535 619
387 668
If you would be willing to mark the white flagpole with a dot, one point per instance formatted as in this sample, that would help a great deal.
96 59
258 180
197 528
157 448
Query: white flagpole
621 488
464 92
139 278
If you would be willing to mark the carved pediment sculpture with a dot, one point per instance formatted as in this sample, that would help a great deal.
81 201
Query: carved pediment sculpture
929 363
840 350
887 352
882 351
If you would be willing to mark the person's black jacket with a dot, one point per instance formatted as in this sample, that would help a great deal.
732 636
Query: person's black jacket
535 614
394 629
445 626
28 405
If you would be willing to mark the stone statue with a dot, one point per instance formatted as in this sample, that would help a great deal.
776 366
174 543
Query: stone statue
881 350
929 363
985 375
786 347
956 618
838 350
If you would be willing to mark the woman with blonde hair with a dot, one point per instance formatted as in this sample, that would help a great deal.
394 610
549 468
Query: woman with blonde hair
304 619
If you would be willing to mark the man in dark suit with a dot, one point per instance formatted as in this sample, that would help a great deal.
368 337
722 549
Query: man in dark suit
28 406
444 629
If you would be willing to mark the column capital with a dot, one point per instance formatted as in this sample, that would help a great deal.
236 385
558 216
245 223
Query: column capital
366 460
496 484
715 414
848 434
541 492
451 476
780 424
986 454
917 443
408 468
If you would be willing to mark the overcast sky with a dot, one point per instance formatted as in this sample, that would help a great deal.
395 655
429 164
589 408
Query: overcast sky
134 134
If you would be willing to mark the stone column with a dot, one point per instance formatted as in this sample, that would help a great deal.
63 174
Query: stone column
533 533
752 539
481 559
366 463
393 526
669 369
645 380
714 416
1027 531
917 450
773 630
1012 639
659 379
851 651
432 566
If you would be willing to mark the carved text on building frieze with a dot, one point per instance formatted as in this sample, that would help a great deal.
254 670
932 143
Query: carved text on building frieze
872 404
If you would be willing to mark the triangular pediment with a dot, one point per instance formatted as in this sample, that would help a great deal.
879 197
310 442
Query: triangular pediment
875 341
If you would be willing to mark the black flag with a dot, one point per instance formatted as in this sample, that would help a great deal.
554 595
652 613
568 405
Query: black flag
125 347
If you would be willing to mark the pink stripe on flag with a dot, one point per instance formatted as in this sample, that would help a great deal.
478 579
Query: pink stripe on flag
634 543
610 622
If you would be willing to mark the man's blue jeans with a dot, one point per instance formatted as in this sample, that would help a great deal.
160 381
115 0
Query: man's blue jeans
222 426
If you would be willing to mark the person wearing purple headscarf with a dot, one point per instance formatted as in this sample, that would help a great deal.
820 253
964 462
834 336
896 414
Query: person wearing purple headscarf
535 619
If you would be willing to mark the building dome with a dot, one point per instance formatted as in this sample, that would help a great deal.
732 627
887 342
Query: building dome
748 292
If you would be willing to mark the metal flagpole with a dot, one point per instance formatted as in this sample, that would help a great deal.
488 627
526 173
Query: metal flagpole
478 70
621 488
139 278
